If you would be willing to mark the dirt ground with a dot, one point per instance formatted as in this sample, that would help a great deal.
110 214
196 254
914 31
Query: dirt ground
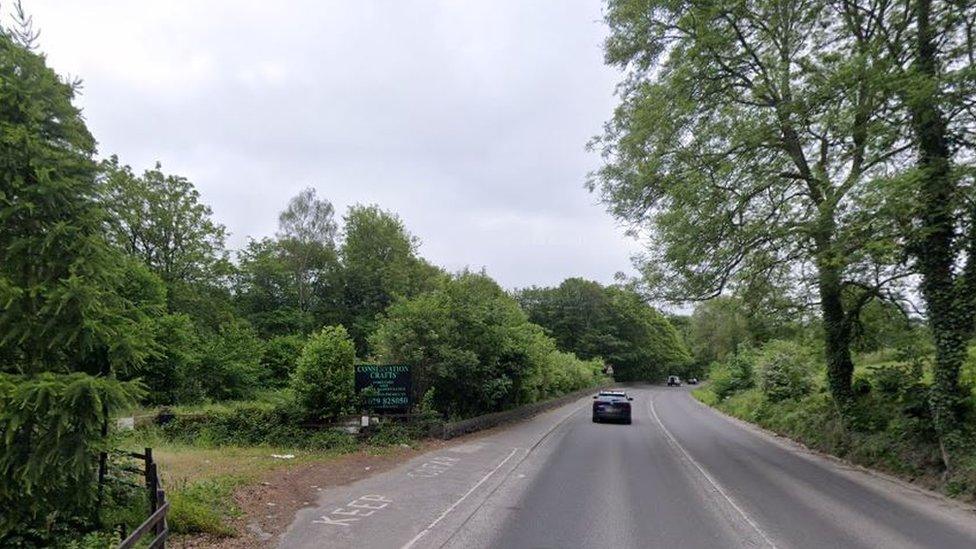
269 505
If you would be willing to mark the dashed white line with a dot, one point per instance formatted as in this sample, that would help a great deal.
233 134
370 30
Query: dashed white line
447 511
707 476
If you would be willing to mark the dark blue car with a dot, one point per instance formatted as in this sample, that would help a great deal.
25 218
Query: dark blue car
611 406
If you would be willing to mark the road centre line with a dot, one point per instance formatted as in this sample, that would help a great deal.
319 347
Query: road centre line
458 502
705 474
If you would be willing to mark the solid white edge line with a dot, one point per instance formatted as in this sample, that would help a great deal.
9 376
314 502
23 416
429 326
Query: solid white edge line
458 502
707 476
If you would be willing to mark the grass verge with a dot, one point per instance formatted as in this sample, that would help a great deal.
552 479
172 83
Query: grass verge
879 436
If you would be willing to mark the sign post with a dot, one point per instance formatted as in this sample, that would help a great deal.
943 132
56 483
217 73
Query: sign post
389 386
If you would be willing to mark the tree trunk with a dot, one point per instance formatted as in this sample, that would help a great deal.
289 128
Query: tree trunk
949 319
837 328
840 366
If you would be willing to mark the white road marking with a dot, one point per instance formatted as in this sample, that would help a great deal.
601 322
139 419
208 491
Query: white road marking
434 467
707 476
424 532
358 504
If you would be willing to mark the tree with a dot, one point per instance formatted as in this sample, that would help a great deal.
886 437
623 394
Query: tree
472 345
230 362
172 374
931 43
324 379
718 328
70 316
265 291
279 358
159 219
610 323
379 264
306 236
753 139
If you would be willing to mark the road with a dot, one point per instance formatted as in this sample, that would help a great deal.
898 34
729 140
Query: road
681 475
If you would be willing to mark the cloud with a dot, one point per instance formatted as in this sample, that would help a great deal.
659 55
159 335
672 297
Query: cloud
468 119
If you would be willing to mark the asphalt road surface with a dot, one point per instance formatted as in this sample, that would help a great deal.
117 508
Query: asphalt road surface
681 475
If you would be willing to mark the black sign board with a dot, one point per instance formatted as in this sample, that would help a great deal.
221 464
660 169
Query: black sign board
390 384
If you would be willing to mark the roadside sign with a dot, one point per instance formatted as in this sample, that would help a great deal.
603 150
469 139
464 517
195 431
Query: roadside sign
390 384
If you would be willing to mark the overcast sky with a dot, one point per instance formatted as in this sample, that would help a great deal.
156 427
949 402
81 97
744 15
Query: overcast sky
469 119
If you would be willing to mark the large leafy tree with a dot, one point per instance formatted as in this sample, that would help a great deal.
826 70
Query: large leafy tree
379 264
69 304
265 290
931 43
159 219
471 344
610 323
306 236
753 139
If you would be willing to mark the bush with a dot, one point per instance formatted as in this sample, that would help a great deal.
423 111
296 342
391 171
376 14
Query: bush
735 374
280 357
323 381
861 387
785 370
253 424
894 379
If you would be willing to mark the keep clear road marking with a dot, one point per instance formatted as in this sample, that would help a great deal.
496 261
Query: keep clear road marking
363 506
447 511
434 467
707 476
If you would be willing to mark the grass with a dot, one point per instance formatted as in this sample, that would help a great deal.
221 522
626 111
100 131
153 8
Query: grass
880 436
267 396
201 476
200 480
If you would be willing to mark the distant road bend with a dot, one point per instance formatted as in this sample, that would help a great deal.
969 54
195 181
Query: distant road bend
681 475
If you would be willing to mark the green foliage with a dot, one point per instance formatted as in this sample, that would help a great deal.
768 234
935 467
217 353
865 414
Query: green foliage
60 283
718 328
860 387
610 323
159 219
202 507
279 358
379 264
471 343
881 325
265 291
51 427
230 365
785 370
171 374
306 238
70 305
736 373
252 424
323 381
390 433
757 168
